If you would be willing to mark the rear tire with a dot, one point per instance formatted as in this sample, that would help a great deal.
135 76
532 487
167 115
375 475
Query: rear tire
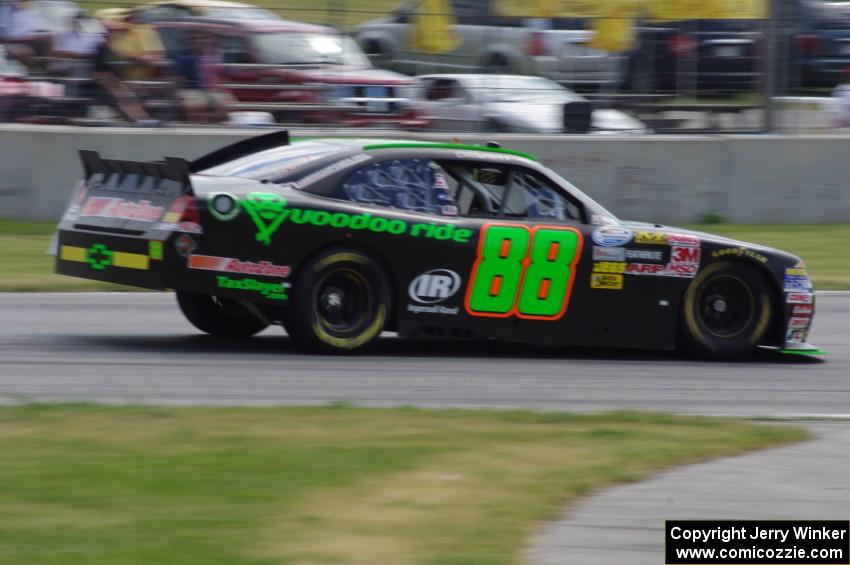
340 303
218 316
727 311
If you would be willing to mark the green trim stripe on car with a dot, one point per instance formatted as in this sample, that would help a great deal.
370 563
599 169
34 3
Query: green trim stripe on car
460 146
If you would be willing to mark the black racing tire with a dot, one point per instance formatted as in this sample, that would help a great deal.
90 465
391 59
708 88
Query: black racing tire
340 303
218 316
727 311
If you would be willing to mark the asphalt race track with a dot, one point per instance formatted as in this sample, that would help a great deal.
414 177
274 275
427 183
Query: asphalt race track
137 348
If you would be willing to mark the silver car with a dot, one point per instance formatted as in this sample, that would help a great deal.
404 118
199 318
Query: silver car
510 103
490 43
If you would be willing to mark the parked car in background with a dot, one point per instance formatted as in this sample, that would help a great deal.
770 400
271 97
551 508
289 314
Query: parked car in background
488 42
271 64
21 97
168 9
512 103
697 56
815 45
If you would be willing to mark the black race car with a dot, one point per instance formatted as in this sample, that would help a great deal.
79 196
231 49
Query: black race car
339 239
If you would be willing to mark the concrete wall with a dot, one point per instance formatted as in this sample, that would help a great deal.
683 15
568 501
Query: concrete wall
670 179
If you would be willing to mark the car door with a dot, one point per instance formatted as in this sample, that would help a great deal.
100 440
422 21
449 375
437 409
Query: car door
542 272
449 106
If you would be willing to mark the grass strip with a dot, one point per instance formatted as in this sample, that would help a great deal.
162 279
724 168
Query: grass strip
335 484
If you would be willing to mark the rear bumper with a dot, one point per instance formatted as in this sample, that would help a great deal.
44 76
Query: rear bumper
123 260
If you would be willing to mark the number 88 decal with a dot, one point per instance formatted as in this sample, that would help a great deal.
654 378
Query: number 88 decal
523 272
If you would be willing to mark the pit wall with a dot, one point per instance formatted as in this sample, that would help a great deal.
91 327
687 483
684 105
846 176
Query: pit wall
666 179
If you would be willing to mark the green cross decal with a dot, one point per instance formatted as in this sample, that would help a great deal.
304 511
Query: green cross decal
98 256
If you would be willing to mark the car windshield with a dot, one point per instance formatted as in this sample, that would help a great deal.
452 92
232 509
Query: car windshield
519 89
286 48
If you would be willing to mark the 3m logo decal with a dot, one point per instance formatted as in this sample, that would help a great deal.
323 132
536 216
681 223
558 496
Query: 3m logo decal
523 272
689 255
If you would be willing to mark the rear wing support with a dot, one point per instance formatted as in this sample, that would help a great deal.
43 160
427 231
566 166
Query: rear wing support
116 172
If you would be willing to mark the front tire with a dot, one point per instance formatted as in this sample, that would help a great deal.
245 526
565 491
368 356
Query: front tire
727 311
218 316
340 303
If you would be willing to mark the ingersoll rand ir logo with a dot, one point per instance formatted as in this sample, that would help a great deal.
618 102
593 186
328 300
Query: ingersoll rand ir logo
434 286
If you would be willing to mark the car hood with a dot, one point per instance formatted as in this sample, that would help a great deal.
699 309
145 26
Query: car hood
548 117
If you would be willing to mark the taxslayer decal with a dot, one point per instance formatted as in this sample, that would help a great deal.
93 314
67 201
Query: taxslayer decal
803 309
118 208
232 265
272 291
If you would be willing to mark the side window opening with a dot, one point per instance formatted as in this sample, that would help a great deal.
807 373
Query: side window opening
414 185
490 190
533 197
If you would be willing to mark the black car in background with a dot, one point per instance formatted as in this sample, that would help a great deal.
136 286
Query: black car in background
814 42
696 56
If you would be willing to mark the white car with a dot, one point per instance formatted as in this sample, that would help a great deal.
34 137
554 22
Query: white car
513 103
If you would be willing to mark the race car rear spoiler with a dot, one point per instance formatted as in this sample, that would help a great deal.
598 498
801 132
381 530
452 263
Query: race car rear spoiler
239 149
170 176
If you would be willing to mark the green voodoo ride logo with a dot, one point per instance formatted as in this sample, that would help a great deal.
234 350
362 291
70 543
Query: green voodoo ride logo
269 212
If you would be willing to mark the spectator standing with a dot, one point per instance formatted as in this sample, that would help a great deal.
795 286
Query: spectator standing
198 65
22 33
139 45
115 92
76 48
